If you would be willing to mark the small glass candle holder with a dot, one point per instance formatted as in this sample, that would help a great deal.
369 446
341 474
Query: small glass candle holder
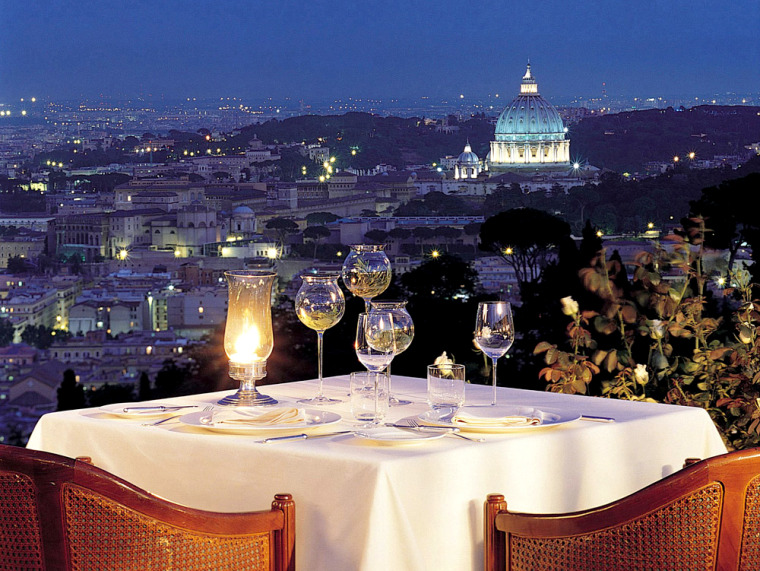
248 336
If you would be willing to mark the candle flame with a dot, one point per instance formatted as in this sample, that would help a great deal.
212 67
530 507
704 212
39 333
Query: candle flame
247 346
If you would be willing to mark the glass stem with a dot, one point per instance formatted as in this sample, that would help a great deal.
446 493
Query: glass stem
377 399
388 372
493 397
319 362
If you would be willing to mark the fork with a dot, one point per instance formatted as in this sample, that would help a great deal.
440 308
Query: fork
453 432
207 409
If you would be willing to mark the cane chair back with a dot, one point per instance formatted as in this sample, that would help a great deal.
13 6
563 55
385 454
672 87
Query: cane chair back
704 517
67 514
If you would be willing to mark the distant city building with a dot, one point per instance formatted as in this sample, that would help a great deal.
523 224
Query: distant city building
28 244
468 164
529 134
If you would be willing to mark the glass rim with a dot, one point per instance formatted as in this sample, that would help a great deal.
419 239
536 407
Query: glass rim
250 273
446 366
320 275
388 301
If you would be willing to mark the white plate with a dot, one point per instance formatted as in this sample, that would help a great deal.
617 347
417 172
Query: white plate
118 410
394 436
549 417
314 418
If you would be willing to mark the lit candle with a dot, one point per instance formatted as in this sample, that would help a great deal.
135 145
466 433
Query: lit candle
247 346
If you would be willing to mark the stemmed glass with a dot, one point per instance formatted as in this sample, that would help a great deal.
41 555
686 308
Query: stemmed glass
375 344
320 305
367 271
403 330
494 332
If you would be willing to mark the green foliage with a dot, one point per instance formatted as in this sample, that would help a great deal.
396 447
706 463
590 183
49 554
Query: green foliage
625 141
6 332
376 236
437 204
70 393
320 218
17 265
110 394
316 234
172 380
664 341
38 336
446 277
729 211
524 238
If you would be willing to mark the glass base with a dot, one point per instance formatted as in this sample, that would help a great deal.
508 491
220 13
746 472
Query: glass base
247 398
369 424
393 400
319 400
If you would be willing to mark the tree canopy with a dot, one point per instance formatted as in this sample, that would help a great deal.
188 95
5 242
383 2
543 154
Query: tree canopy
525 238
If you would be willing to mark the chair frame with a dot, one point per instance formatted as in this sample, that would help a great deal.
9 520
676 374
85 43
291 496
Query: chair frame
733 471
51 473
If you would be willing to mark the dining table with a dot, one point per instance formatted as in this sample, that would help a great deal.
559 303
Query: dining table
367 502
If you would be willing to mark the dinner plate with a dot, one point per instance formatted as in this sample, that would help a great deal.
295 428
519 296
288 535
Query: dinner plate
313 418
398 436
548 418
118 410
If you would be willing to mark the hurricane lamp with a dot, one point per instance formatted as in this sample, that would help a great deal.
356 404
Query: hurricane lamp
248 337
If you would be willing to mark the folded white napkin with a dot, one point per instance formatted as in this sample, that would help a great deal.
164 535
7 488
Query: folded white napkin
280 415
494 418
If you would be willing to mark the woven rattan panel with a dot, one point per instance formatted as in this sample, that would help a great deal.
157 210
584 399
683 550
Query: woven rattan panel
20 542
750 555
106 535
681 536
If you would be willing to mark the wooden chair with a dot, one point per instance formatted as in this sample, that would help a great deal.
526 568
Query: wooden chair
58 513
706 516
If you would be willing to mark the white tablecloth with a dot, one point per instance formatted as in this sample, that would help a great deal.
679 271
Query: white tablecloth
367 507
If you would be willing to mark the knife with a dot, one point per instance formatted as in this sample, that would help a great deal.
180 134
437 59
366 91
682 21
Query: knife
159 407
423 427
303 436
597 418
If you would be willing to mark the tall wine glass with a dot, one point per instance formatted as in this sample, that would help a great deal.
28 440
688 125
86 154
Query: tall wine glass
494 332
403 330
375 345
320 305
367 271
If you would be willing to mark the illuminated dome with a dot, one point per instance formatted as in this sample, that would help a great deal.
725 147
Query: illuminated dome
529 132
468 164
468 157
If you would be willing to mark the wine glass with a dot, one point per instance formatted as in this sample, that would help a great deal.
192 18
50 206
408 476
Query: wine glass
494 332
367 271
403 330
375 345
320 305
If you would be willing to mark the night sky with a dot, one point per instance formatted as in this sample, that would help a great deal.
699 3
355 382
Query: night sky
375 49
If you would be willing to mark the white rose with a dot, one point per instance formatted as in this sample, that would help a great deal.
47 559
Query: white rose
641 375
569 305
443 360
656 329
